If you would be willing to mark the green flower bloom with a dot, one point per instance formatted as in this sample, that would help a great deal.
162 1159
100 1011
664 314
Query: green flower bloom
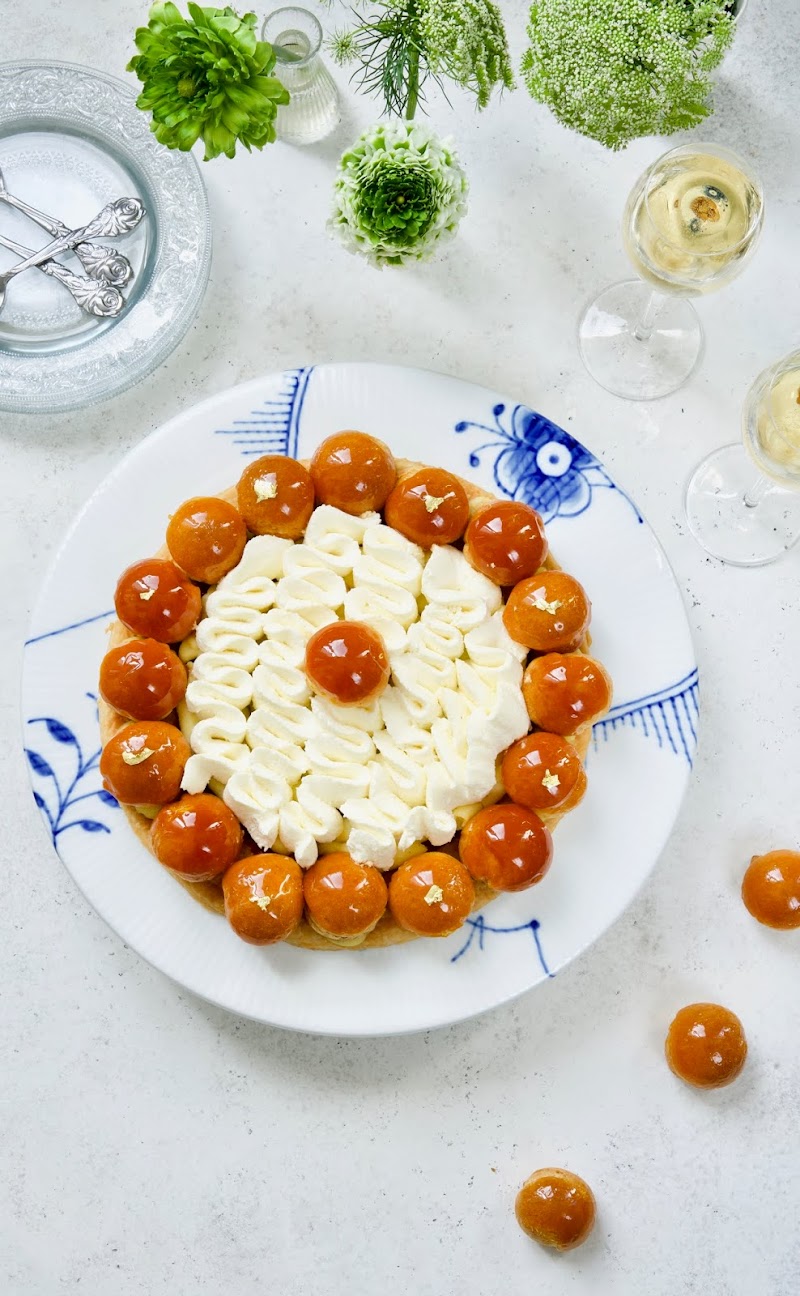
400 191
466 41
618 69
206 77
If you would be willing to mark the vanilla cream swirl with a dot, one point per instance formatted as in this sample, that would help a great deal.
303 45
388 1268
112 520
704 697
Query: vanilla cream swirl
303 774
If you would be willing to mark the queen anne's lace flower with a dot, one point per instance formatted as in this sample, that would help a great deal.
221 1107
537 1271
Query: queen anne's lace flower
466 41
617 69
400 192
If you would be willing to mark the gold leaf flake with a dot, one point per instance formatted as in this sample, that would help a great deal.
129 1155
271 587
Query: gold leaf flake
262 901
706 209
432 502
266 488
434 895
551 781
146 594
542 605
136 757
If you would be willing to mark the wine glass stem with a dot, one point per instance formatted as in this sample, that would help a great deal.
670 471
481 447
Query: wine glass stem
755 493
644 328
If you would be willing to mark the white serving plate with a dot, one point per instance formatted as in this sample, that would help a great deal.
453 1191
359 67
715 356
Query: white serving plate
638 767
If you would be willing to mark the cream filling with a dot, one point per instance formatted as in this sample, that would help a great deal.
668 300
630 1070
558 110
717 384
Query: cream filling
301 772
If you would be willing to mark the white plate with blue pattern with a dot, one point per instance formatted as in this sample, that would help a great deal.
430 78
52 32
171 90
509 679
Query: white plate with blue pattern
639 763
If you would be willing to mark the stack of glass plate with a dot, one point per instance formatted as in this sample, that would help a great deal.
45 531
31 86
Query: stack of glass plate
72 140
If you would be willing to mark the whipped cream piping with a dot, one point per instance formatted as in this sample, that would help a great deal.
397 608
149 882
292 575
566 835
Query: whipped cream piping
301 772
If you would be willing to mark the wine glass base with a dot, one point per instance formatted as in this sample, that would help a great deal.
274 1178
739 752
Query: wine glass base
639 368
725 526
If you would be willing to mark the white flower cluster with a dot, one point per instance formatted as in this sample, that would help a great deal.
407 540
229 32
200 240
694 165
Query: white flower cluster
618 69
466 40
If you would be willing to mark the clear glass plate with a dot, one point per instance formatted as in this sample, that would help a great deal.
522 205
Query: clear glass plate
71 140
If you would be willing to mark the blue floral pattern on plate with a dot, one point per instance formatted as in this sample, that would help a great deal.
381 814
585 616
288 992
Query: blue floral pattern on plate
541 464
55 797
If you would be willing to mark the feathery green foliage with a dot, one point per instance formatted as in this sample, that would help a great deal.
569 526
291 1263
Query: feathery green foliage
404 42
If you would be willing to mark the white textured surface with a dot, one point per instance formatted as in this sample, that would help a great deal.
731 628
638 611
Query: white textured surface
152 1144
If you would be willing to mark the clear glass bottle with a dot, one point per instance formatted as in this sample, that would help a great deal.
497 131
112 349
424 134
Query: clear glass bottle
313 108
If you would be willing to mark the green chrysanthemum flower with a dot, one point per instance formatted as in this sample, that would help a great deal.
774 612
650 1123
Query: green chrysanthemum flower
206 77
466 41
400 192
623 68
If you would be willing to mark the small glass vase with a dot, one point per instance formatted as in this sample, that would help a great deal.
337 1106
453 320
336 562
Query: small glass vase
313 108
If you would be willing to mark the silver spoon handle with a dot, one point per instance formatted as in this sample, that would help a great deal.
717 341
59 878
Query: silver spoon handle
100 262
118 217
104 263
93 297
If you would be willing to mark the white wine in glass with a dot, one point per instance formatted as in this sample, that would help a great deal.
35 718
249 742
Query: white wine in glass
690 223
743 501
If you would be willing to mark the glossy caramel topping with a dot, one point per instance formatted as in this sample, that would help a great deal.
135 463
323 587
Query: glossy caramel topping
771 889
353 472
275 496
343 898
197 837
206 538
143 763
263 898
142 679
431 894
155 600
543 772
705 1045
507 846
506 542
556 1208
562 693
429 507
548 612
347 661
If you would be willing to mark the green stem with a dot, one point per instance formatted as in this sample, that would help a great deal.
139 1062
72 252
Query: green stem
413 83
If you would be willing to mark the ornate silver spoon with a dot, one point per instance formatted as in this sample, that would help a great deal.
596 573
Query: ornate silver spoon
95 298
102 263
118 217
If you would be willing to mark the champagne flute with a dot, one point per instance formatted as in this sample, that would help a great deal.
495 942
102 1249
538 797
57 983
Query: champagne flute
691 222
739 502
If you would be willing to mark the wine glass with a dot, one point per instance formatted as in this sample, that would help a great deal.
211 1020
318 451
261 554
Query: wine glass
739 501
691 222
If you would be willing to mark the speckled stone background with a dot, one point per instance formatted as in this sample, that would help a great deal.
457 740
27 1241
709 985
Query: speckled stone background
150 1143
